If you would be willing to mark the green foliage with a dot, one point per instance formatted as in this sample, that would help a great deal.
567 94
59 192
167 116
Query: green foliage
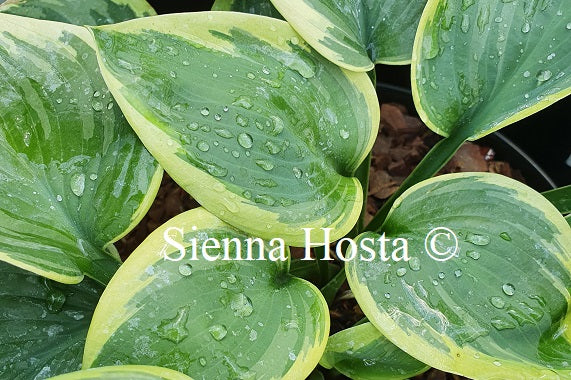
271 132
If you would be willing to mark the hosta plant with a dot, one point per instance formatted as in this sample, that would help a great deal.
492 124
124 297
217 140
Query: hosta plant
268 122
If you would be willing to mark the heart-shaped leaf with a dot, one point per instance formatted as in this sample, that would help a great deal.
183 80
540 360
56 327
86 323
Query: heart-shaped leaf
43 324
479 66
74 176
256 7
125 372
80 12
209 318
356 34
499 309
363 353
255 125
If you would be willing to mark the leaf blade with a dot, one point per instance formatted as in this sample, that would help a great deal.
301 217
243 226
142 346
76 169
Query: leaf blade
499 317
249 316
246 121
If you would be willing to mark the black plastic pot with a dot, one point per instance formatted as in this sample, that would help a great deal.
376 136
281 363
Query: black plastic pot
505 149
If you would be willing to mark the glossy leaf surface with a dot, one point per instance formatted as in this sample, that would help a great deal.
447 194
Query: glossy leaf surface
125 372
43 324
211 319
499 306
79 12
481 65
356 34
363 353
253 123
74 176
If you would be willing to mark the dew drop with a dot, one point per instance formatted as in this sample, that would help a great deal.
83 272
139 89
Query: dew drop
568 27
203 146
241 121
96 94
224 133
243 101
245 140
97 106
473 254
225 109
477 239
266 165
458 273
202 361
265 199
508 289
27 136
241 305
505 236
216 170
297 172
77 184
465 25
205 111
265 70
526 74
173 74
401 272
218 332
174 329
193 126
497 302
55 300
344 134
543 75
235 154
497 363
251 76
414 263
272 147
526 27
441 275
501 324
387 295
59 198
93 176
185 269
217 117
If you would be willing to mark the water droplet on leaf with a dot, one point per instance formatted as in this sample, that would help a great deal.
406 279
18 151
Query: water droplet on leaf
241 305
245 140
508 289
174 329
218 332
77 184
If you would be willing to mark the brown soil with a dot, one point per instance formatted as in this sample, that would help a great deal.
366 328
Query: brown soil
402 142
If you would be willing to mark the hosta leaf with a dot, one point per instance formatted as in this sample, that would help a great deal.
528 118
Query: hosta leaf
43 324
74 176
125 372
257 7
356 34
209 319
363 353
497 310
561 198
479 66
78 12
256 126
